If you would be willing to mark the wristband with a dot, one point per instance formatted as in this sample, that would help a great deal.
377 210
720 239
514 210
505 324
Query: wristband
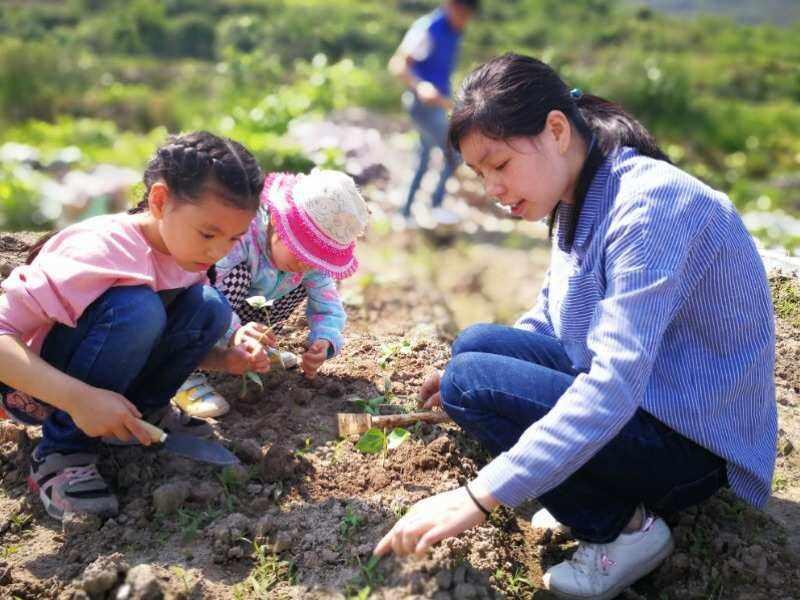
475 500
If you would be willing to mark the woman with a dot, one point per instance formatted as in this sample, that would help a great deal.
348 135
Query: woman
641 381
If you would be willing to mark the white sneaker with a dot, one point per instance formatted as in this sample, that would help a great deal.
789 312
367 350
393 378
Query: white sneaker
289 360
444 216
544 520
602 571
197 398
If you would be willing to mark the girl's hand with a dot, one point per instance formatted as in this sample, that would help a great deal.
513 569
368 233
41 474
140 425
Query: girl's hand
432 520
248 356
105 413
429 396
313 358
255 332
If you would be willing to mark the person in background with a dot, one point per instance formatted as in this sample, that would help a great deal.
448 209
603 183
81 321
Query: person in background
424 62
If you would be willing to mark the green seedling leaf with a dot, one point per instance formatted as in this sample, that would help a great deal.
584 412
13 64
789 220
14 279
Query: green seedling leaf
255 378
371 442
397 437
371 406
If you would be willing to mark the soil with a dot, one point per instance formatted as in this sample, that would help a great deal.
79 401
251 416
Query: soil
301 515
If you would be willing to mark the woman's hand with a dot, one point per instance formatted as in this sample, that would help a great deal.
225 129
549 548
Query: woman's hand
313 358
432 520
102 412
429 396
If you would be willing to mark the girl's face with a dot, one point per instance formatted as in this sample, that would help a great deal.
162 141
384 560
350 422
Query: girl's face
529 175
199 233
283 258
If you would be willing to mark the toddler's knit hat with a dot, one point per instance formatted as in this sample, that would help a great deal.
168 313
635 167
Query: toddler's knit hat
318 216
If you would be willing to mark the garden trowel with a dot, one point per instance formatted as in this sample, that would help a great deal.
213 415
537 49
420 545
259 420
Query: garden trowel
350 423
190 446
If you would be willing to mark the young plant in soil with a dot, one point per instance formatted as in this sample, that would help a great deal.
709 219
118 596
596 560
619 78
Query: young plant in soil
351 522
259 302
268 572
388 353
375 441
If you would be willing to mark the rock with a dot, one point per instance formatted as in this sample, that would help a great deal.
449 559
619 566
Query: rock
465 591
283 541
444 579
143 584
311 558
329 555
5 269
206 492
78 524
102 575
441 445
5 574
302 396
254 489
334 390
230 529
249 450
129 475
169 497
785 446
264 525
460 574
278 463
236 552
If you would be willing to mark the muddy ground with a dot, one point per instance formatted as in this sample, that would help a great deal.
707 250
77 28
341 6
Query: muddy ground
301 516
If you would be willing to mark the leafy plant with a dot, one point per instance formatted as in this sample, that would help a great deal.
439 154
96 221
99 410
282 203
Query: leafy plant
350 523
250 376
269 571
375 441
372 405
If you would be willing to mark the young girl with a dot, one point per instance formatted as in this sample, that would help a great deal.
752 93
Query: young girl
642 378
112 314
302 239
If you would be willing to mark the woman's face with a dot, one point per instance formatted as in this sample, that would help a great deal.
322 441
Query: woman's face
529 175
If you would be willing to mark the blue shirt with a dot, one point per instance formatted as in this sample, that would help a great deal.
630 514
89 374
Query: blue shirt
662 303
436 44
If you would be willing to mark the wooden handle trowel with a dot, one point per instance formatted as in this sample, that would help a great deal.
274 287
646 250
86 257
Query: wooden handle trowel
350 423
190 446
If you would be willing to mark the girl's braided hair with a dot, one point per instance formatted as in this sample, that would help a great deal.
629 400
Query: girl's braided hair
192 163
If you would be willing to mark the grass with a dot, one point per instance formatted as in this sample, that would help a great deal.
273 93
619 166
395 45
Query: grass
368 579
516 584
351 522
786 298
267 574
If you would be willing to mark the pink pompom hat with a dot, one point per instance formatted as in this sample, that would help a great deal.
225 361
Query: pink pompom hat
318 216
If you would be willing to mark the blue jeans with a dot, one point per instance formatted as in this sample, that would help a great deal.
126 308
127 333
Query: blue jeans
129 342
501 380
431 123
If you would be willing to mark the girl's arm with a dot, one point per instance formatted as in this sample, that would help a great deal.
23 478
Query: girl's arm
326 316
96 411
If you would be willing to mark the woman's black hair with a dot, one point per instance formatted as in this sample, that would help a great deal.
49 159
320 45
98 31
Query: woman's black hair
191 163
512 95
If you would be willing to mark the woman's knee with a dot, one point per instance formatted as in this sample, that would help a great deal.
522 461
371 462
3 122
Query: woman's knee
454 384
474 338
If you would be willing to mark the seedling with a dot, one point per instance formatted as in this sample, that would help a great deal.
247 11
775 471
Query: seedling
350 523
182 576
269 571
375 441
371 406
305 448
260 302
517 585
390 351
8 551
20 520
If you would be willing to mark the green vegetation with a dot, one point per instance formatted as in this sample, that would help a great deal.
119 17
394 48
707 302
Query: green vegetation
111 78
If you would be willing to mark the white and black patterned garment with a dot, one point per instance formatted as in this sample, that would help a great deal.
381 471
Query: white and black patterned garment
235 288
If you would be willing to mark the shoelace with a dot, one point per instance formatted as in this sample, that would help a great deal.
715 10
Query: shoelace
82 474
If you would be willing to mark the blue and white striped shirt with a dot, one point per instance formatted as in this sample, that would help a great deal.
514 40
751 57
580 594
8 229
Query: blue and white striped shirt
662 303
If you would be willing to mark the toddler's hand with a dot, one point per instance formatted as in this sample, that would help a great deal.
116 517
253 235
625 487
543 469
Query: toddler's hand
105 413
313 358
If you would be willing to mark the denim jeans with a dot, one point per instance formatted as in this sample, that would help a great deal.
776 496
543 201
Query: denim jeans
129 342
431 123
501 380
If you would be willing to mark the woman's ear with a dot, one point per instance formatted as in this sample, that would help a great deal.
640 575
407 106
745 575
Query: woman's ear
157 199
560 129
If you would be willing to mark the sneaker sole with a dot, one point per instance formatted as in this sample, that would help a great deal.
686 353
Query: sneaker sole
645 569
